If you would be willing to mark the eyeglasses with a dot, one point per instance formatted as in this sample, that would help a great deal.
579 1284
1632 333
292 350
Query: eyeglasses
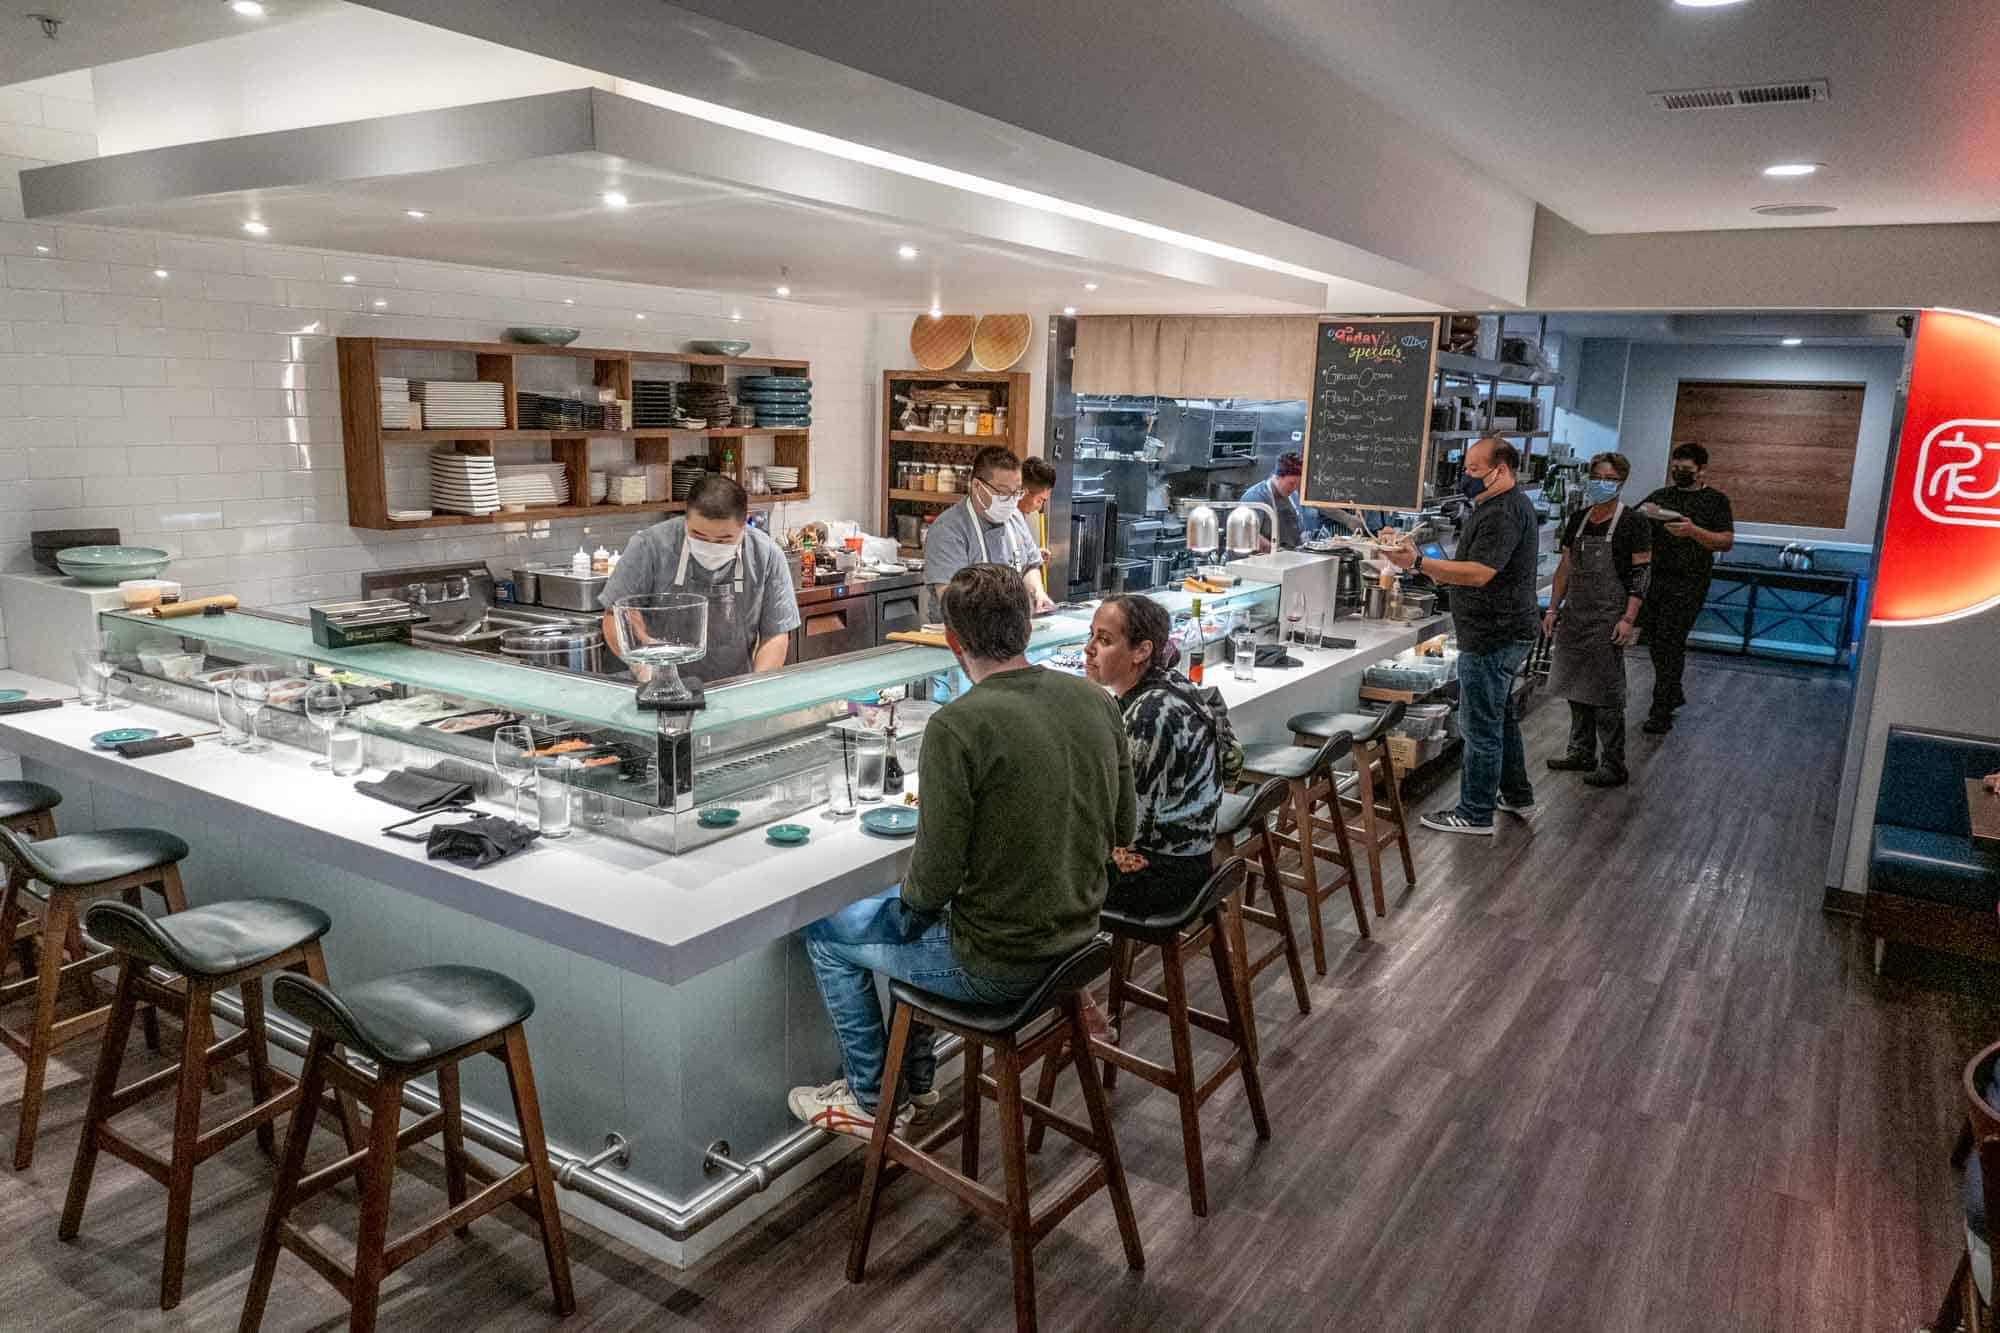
999 494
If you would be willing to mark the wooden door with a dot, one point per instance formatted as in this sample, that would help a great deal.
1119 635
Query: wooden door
1782 452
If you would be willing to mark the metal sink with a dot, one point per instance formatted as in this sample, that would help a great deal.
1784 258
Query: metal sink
483 631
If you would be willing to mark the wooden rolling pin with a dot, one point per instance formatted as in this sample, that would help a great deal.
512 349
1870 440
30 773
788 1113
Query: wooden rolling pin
918 637
194 608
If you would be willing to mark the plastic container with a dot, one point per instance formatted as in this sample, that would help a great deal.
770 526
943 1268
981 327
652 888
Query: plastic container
143 594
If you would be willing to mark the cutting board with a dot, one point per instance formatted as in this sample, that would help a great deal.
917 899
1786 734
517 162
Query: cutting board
918 637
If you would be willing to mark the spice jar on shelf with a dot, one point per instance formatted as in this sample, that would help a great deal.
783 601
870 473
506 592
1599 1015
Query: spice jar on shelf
948 479
986 422
1000 420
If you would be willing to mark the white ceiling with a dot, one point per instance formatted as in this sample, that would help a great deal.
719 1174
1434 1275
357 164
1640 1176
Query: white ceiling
1550 95
97 32
1812 328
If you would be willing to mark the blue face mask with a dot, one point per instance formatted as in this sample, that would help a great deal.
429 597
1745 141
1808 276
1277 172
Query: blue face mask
1596 490
1472 487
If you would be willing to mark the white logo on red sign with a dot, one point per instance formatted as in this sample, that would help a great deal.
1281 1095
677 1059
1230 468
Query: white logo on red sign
1958 473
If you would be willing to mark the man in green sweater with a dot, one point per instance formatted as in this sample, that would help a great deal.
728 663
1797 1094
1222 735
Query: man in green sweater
1026 786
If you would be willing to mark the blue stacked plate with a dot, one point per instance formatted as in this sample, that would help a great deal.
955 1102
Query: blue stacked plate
775 396
782 383
784 422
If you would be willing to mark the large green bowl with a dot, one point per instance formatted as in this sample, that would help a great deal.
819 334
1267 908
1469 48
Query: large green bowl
108 565
546 335
719 347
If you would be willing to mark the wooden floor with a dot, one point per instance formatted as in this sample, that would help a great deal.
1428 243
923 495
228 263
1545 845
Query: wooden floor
1612 1071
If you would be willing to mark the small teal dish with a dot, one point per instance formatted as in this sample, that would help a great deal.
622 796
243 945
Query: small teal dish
890 821
107 566
12 696
104 740
720 816
787 835
719 347
544 335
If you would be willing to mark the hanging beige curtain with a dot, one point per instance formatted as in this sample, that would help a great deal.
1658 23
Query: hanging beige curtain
1188 356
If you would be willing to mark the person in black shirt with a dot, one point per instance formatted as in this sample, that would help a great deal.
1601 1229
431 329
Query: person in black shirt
1593 613
1684 551
1492 582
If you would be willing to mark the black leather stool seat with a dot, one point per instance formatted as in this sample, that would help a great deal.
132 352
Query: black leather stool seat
409 1018
27 798
1091 961
1280 761
1239 811
1160 928
91 858
1363 727
209 941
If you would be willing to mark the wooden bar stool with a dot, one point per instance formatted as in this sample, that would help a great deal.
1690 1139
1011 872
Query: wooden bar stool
428 1020
1372 805
1207 920
1968 1301
1243 828
27 808
74 868
1016 1042
219 947
1309 779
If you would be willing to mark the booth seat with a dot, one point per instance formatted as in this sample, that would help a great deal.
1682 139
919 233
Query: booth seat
1928 882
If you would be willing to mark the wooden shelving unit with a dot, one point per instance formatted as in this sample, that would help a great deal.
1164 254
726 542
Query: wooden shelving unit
367 442
1000 388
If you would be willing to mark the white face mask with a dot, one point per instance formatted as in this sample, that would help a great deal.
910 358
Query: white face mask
1003 508
712 555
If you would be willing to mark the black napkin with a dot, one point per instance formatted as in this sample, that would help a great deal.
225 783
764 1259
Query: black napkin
29 705
1274 655
146 749
479 842
417 789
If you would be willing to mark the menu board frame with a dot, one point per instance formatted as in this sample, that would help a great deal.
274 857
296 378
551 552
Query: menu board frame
1325 344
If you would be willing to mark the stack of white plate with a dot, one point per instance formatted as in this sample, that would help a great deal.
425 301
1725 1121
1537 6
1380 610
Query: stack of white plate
782 479
534 484
598 485
461 402
627 487
398 412
464 484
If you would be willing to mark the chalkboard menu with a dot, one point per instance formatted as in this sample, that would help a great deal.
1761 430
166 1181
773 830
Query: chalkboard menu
1368 417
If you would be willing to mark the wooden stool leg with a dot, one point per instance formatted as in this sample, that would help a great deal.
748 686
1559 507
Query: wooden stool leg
528 1111
1121 968
1242 1023
377 1176
1395 790
11 946
1014 1160
1344 844
55 926
1238 979
149 1015
454 1141
972 1107
110 1058
1274 889
196 1034
1045 1093
259 1054
1371 836
878 1148
1107 1142
1185 1078
312 1083
314 966
1302 820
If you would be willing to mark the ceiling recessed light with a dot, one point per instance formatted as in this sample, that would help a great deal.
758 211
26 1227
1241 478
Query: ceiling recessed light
41 249
639 316
1786 169
937 312
1793 210
256 228
380 302
1706 4
1090 286
569 300
906 252
614 199
1069 310
782 290
161 273
349 277
1790 342
249 9
416 213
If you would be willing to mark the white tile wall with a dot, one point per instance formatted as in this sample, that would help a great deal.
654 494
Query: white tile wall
199 412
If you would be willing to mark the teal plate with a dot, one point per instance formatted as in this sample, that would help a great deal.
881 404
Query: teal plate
12 696
104 740
890 821
720 816
787 835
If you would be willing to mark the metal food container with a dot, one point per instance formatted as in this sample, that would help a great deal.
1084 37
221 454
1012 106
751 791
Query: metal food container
570 592
564 647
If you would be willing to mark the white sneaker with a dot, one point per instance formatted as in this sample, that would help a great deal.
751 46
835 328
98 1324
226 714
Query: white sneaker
833 1107
1450 821
1528 811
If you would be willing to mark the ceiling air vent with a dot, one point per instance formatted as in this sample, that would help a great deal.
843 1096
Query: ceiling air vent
1741 95
1794 210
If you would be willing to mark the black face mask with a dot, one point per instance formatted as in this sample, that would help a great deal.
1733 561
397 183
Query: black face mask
1684 477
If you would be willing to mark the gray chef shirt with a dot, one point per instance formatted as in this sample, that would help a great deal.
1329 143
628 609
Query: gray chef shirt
959 538
768 605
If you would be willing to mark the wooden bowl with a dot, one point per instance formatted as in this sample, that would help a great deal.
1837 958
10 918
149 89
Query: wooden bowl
999 340
939 343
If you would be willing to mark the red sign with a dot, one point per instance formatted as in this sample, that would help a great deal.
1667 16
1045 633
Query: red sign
1940 556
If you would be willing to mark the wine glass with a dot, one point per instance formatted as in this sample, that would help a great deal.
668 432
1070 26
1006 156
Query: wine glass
1295 615
252 688
513 756
656 633
325 703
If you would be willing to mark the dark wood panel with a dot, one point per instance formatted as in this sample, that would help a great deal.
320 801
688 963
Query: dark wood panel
1783 453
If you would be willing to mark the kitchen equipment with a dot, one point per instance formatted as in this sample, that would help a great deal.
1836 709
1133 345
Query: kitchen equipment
1240 532
548 335
48 541
909 530
570 592
1375 603
829 629
104 566
1199 436
527 584
1091 520
564 647
999 340
719 346
1348 597
1202 536
1414 605
370 620
661 631
939 342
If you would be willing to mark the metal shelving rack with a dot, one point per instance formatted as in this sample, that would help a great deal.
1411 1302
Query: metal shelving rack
1456 371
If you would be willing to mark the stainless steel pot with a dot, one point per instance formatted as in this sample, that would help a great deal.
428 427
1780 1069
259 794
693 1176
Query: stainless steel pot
1376 603
565 647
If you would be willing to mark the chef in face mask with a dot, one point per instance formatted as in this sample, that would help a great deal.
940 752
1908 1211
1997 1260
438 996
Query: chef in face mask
987 528
752 608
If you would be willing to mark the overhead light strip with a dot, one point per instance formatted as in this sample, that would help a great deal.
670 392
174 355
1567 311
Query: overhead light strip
846 149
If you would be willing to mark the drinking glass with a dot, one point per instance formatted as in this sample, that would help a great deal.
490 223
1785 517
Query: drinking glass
871 755
228 717
512 747
326 704
840 783
555 796
1315 629
344 751
89 680
252 687
1244 654
1295 615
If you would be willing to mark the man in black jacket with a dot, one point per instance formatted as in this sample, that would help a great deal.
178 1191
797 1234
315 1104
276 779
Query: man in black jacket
1684 551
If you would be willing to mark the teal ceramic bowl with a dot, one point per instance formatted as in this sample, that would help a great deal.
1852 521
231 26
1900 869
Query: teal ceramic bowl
787 835
107 566
718 816
724 347
545 335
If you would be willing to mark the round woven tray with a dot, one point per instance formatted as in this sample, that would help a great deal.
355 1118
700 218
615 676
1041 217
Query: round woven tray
940 343
999 340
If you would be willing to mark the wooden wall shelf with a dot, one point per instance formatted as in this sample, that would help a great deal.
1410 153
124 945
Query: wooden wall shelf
1007 387
366 441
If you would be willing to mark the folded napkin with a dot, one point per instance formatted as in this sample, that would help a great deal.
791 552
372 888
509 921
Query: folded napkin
29 705
146 749
417 789
1274 655
479 842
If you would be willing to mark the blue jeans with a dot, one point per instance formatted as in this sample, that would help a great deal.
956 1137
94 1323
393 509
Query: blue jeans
1495 761
883 935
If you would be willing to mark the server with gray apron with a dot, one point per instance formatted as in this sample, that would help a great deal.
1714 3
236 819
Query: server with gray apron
1599 589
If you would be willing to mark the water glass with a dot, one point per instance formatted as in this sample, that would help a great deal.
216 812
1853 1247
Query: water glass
325 704
553 796
343 747
840 783
512 756
252 687
871 756
1244 654
89 680
592 807
228 717
1315 629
